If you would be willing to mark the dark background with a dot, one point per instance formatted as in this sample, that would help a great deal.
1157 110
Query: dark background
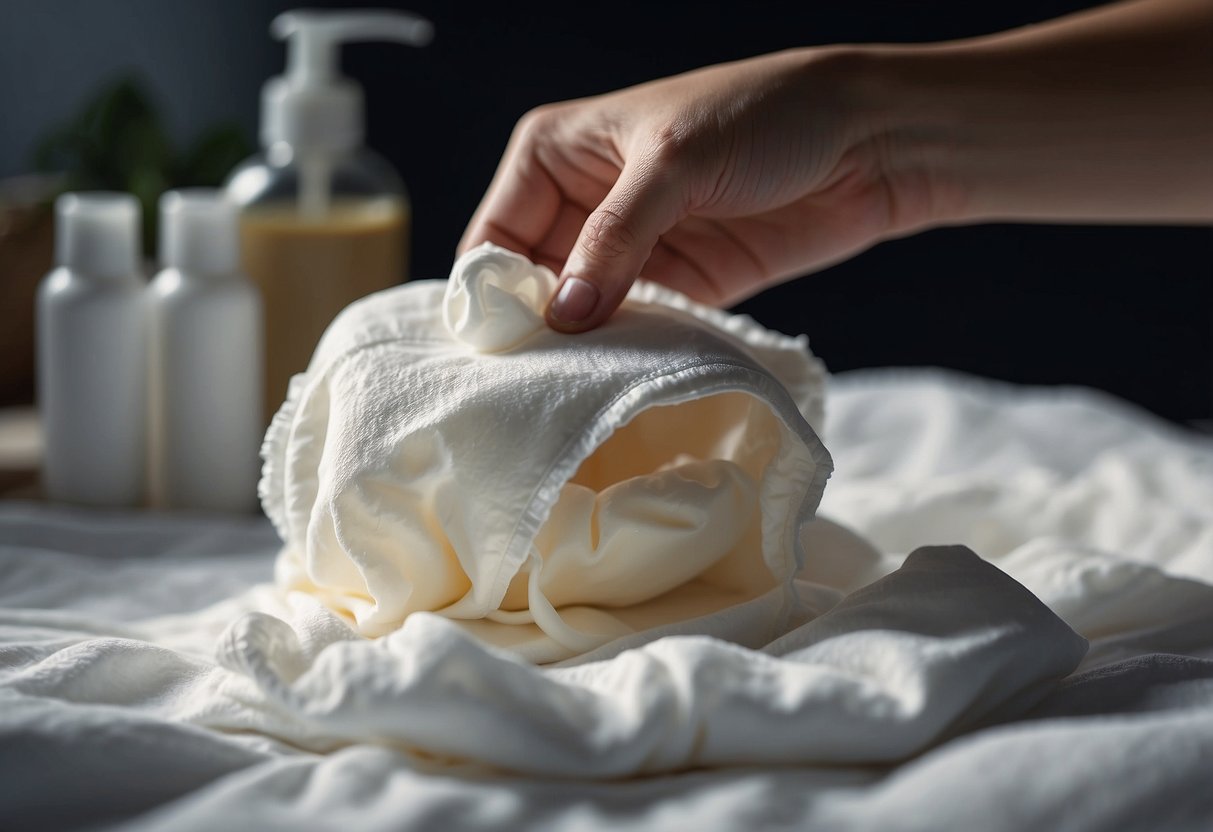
1126 309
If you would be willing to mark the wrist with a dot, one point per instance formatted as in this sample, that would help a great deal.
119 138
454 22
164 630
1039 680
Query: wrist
1098 117
907 131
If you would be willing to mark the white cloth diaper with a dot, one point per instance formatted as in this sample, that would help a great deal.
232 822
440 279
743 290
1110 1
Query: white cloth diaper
445 451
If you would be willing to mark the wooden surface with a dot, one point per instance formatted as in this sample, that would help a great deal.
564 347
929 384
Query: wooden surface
20 453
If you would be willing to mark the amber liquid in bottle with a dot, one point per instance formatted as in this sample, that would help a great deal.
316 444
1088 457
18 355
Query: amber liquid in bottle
309 269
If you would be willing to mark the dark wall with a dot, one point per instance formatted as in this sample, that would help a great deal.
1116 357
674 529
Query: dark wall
1129 310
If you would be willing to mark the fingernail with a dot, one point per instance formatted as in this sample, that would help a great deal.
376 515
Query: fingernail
575 301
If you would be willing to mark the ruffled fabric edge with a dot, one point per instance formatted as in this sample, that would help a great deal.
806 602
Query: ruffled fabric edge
271 488
788 357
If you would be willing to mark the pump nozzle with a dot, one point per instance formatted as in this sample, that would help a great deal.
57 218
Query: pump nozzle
315 35
312 107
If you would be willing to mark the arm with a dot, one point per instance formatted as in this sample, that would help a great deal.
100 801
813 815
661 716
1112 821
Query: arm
1105 115
726 180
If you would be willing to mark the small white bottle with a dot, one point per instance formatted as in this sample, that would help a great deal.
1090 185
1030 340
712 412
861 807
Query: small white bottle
92 355
206 359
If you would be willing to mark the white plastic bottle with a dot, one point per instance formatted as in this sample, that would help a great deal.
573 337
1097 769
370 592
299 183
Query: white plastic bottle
206 359
92 359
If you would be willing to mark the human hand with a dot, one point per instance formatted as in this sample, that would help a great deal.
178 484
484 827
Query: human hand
721 182
716 183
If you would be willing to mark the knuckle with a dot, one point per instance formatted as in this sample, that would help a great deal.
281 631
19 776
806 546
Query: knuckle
535 122
669 143
608 235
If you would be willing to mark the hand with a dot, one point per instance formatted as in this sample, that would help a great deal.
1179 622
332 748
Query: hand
721 182
717 183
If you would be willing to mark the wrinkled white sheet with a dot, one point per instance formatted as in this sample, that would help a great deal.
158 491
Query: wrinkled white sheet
929 699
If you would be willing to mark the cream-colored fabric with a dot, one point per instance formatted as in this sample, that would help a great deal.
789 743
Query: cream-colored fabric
447 452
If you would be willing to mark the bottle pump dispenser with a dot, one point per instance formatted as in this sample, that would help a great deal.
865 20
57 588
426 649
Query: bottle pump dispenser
314 109
324 221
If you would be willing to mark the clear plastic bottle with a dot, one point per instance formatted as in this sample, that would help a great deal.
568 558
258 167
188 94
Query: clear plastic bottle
206 343
92 354
324 220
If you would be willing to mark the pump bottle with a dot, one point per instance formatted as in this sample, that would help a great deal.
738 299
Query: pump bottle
205 320
92 357
324 221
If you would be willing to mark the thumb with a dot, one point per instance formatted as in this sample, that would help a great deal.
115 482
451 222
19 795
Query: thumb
613 246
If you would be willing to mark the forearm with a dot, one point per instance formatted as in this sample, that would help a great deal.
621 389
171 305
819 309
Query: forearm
1102 116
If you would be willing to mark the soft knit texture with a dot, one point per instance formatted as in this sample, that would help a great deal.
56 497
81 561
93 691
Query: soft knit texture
446 452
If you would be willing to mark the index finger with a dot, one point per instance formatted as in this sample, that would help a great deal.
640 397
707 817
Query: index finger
522 201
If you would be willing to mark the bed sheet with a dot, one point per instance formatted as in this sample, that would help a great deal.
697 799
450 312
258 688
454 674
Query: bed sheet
1103 513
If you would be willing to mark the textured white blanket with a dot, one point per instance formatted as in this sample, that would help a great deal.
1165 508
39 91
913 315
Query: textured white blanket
928 692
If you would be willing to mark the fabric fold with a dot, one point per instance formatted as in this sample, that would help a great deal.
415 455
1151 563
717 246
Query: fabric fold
446 452
943 645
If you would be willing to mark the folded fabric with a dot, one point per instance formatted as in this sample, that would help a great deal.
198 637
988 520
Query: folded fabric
945 644
446 452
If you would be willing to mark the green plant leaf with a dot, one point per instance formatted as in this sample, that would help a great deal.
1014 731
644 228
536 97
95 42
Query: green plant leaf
118 142
211 158
147 184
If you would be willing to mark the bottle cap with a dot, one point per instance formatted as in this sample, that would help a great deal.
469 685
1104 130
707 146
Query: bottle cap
97 233
198 232
312 106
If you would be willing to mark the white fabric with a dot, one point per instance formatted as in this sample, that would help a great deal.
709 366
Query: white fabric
446 452
494 299
930 699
